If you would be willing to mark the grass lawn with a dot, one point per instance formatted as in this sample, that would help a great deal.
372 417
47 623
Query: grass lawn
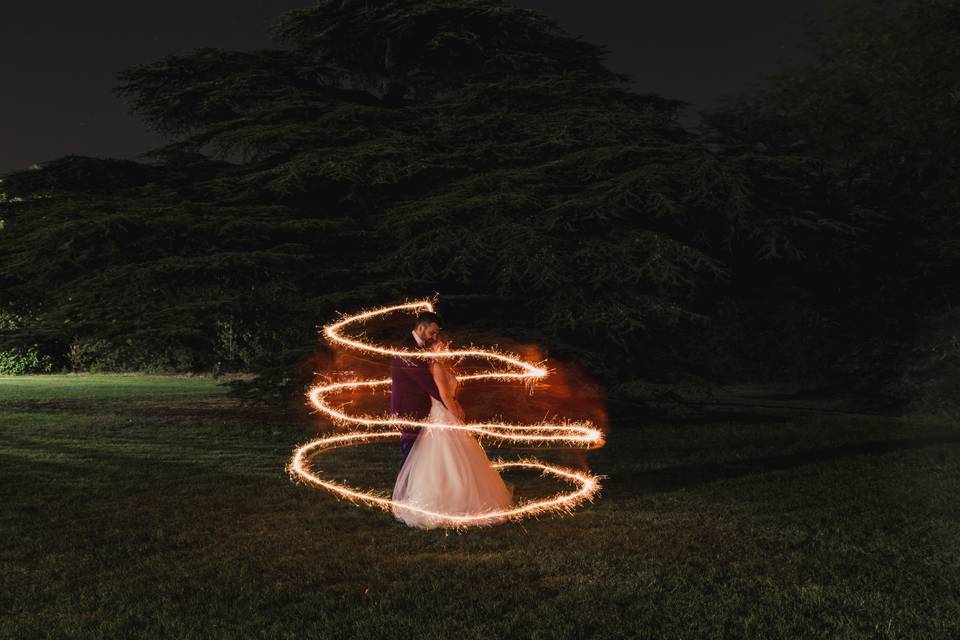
148 506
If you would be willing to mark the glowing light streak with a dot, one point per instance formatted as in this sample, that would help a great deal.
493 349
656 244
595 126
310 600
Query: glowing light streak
582 434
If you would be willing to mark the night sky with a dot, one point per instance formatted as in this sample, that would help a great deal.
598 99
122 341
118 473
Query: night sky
58 58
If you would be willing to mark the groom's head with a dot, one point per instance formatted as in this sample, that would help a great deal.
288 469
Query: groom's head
427 327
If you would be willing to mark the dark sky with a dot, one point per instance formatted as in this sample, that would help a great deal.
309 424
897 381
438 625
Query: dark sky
58 58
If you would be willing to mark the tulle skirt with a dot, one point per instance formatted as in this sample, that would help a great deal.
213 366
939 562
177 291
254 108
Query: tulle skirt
447 471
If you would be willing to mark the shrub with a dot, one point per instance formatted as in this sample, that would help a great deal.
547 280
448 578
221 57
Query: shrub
18 362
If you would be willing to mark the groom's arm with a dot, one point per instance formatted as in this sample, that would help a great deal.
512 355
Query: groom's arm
424 380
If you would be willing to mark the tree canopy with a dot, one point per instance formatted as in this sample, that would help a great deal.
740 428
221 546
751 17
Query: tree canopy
877 110
393 149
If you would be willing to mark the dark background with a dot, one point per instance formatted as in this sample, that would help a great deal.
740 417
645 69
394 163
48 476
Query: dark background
772 198
58 59
770 303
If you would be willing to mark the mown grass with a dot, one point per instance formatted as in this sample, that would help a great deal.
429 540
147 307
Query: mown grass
139 506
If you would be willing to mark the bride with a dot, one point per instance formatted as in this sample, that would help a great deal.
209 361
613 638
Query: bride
447 471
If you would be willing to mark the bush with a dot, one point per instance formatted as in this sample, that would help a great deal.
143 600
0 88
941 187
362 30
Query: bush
929 366
239 346
18 362
97 355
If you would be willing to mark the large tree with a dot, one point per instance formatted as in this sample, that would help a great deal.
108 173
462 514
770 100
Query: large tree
393 149
877 110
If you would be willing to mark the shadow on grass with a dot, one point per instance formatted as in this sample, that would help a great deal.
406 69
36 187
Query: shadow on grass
681 477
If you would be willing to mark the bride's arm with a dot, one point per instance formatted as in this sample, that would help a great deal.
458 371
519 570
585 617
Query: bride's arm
446 393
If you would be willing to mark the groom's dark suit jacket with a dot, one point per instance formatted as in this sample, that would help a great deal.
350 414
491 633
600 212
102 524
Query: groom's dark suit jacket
411 385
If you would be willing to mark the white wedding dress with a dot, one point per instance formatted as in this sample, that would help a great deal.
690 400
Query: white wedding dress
447 471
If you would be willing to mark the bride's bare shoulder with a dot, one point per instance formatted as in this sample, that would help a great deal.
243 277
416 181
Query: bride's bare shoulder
438 368
444 370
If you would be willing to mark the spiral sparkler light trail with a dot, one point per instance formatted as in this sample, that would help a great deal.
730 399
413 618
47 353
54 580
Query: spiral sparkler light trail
368 429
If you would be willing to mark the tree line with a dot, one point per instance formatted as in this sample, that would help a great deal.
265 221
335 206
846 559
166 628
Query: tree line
386 150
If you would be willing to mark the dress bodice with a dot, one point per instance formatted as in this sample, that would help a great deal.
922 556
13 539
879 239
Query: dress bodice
451 379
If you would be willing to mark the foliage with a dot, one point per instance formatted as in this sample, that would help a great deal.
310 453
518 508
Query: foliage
21 360
877 113
391 150
15 362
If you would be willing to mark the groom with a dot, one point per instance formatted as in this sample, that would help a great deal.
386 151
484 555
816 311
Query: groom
412 383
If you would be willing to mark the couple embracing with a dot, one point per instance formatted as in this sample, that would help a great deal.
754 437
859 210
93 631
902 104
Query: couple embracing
442 470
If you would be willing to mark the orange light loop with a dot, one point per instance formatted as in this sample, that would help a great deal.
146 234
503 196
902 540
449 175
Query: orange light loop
380 428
